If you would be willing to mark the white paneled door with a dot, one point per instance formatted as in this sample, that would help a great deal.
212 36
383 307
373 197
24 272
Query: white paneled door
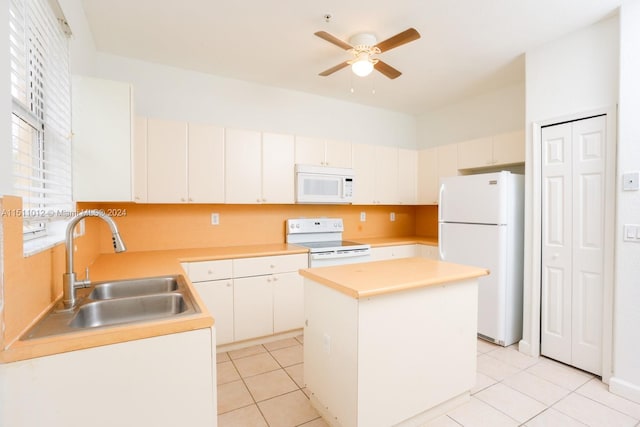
573 228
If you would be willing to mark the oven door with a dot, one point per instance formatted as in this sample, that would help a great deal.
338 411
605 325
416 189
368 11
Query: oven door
339 257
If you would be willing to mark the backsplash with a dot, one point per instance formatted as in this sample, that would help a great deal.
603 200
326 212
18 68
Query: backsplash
175 226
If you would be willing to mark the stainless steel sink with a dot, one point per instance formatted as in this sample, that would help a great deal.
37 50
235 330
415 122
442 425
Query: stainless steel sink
120 302
134 287
128 310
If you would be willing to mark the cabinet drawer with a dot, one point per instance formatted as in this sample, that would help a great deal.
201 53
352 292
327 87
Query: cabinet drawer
210 270
245 267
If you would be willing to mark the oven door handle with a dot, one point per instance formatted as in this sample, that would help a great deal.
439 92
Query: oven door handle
340 254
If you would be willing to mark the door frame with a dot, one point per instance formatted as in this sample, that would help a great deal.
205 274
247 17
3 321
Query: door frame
530 343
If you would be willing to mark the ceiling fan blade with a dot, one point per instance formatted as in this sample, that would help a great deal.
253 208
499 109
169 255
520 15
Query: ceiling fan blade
333 39
399 39
334 69
387 69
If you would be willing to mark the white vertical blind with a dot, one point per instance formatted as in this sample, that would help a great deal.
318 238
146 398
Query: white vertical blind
41 121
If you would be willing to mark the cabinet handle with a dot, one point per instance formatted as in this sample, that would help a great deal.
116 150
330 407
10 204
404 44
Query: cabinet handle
275 279
209 272
190 199
182 199
272 266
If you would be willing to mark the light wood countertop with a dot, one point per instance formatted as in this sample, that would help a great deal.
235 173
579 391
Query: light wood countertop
134 265
395 241
385 277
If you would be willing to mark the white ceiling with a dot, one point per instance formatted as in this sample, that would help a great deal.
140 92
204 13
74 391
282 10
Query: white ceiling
467 46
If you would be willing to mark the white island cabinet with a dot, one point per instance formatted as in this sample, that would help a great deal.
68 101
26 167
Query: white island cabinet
389 343
163 381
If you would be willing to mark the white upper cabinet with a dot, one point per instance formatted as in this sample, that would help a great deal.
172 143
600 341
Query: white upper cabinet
376 175
497 150
509 148
277 168
205 163
243 166
166 161
102 124
185 162
259 168
140 160
435 163
320 152
428 176
407 176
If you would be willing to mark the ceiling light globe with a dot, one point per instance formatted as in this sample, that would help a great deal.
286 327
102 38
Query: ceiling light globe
362 68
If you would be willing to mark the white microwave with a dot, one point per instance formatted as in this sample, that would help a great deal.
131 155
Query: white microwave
319 184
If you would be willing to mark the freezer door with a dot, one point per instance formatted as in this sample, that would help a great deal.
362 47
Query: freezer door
479 199
481 246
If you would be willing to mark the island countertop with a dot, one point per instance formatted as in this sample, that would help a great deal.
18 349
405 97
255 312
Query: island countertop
385 277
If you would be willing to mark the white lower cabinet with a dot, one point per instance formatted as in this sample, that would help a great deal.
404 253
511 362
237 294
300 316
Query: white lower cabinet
139 381
251 297
218 297
394 252
288 302
253 307
428 251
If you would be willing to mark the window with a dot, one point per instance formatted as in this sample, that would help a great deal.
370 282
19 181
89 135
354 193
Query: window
41 119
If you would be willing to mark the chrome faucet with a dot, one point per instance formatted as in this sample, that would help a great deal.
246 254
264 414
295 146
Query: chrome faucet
69 282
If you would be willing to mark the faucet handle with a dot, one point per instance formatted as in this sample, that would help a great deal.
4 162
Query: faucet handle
86 274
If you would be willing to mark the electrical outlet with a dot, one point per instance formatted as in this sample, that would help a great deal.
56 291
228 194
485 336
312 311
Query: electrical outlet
631 181
215 219
392 216
363 216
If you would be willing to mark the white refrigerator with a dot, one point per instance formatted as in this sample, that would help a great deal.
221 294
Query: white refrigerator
481 220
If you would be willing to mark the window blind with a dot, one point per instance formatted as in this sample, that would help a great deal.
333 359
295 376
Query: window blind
41 120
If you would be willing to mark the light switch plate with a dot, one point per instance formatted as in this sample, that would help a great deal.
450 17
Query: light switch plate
631 181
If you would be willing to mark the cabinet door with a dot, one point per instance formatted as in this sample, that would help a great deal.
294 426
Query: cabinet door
243 166
140 160
428 251
508 148
102 133
166 161
253 307
338 154
364 167
277 168
428 176
288 302
475 153
217 295
386 175
447 161
407 176
206 163
309 151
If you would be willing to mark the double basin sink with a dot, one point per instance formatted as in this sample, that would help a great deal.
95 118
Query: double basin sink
120 302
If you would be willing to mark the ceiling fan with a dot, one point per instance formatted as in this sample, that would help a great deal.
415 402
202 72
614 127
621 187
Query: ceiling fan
364 47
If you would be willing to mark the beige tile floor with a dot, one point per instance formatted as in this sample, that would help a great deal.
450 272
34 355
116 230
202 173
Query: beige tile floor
262 386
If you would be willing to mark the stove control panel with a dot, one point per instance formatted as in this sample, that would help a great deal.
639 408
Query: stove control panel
314 225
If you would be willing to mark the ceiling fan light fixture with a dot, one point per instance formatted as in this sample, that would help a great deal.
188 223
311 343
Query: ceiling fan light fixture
363 66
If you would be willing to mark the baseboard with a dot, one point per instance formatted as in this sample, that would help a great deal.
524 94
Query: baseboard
624 389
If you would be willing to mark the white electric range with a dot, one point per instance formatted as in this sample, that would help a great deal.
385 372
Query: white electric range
323 237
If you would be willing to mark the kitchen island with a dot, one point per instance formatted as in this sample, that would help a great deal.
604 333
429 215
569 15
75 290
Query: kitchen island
389 342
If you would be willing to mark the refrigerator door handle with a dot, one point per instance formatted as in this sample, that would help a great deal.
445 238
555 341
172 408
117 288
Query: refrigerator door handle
440 205
440 242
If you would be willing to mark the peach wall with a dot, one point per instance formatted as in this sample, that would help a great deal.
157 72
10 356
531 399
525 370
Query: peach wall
156 227
31 283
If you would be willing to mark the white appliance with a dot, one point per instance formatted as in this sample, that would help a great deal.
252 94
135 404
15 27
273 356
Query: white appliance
323 237
481 221
319 184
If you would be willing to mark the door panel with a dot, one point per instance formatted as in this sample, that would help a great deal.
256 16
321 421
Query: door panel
555 305
573 199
